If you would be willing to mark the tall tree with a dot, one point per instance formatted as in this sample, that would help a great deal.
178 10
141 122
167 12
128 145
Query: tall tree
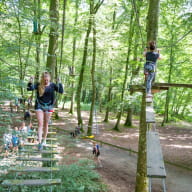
80 83
72 69
152 31
106 119
90 123
126 71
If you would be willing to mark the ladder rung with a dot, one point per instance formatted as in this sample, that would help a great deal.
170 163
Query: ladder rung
34 169
35 159
31 182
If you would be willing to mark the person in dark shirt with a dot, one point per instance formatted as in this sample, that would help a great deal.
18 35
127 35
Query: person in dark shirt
44 103
150 65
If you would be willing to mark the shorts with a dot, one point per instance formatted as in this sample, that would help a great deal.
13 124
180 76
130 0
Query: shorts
46 109
96 153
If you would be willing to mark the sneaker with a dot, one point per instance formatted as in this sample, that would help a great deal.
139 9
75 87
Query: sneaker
44 142
40 147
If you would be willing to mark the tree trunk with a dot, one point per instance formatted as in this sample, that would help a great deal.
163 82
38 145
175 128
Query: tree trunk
126 72
128 121
109 96
110 78
63 32
166 113
136 65
94 11
141 176
53 36
73 60
90 123
152 20
79 87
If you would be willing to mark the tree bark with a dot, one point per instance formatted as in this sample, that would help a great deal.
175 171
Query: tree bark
73 60
79 87
80 83
90 123
166 113
152 20
126 72
109 96
53 36
110 78
141 176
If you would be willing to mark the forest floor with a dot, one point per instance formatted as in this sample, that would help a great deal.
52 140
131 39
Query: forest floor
119 166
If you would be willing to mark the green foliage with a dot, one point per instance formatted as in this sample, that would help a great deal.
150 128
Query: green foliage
18 58
77 177
81 177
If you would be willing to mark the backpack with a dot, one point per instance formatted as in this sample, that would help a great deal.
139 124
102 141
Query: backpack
15 140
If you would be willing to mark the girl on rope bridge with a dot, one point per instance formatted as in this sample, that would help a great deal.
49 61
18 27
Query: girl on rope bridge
150 65
45 99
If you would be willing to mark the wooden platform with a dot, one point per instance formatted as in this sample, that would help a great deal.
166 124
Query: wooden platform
156 87
155 163
30 182
150 116
35 159
34 169
141 88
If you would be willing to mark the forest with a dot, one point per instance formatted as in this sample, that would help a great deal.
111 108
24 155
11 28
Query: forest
95 48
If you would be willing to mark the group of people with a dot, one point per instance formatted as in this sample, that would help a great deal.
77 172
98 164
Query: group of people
17 137
45 100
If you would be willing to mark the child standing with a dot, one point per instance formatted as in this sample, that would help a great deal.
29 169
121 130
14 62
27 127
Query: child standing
96 153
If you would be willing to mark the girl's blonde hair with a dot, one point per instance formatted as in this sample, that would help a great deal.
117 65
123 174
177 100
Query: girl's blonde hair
41 87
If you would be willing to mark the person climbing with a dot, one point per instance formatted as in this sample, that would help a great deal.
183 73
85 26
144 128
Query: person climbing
96 153
150 65
45 98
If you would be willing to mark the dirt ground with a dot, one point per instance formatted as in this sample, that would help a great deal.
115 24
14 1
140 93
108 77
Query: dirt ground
119 166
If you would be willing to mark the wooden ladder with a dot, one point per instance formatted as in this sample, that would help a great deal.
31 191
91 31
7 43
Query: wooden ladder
35 182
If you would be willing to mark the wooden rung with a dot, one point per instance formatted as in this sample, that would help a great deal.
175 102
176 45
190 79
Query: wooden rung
150 117
155 163
48 139
42 151
31 182
35 144
53 133
34 169
35 159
